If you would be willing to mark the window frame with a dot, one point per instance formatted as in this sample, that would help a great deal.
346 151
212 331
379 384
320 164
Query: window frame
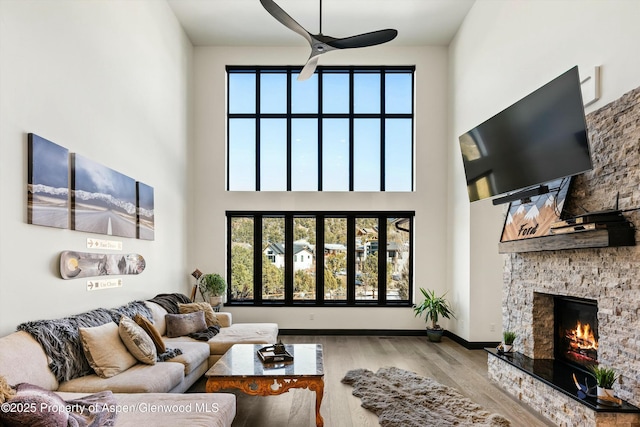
320 116
289 278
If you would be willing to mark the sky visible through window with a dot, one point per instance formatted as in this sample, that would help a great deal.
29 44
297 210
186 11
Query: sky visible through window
279 140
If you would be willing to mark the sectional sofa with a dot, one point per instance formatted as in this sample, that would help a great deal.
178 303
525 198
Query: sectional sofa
143 386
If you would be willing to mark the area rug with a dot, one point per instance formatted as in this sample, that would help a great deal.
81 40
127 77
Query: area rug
405 399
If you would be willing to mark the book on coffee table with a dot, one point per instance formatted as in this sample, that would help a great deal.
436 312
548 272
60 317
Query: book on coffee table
275 354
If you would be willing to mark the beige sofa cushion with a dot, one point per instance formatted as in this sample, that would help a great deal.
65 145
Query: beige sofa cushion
105 351
193 409
225 319
18 350
157 314
158 378
238 333
193 354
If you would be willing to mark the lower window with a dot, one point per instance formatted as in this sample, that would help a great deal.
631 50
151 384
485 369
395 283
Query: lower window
320 258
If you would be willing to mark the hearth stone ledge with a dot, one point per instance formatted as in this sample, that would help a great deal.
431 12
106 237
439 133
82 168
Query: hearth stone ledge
554 402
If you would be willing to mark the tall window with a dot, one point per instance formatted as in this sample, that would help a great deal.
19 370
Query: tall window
344 129
320 258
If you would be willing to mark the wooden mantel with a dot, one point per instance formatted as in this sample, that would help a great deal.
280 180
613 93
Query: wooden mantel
618 236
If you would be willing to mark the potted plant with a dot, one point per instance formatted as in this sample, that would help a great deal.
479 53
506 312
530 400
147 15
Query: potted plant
508 337
213 285
605 378
433 306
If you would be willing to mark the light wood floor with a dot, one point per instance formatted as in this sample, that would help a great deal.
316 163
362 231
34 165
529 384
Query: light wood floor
446 362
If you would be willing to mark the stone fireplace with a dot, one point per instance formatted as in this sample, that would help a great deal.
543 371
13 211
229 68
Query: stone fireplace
537 284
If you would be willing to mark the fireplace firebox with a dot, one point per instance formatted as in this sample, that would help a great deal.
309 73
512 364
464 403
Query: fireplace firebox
576 331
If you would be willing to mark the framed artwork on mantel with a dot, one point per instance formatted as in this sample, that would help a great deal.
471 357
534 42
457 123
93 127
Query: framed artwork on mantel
534 217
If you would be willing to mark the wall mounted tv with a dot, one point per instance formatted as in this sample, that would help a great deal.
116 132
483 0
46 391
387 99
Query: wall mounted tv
540 138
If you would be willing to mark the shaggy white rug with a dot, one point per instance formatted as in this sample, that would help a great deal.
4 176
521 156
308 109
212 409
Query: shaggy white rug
404 399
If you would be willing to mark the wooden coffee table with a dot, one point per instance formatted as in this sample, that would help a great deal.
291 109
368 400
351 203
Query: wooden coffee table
241 368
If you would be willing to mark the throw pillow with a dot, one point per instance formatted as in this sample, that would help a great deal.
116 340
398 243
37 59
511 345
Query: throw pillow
105 351
151 331
35 407
209 315
184 324
137 341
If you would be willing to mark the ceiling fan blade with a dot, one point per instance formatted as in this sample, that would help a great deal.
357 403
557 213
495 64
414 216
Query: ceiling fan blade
364 40
284 18
309 68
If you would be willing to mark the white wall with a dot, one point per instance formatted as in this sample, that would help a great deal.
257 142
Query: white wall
208 233
108 80
505 50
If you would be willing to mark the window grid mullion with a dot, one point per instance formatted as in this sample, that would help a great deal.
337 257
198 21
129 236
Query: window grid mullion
257 124
320 258
320 129
351 259
382 260
289 125
228 134
288 260
383 108
257 259
351 132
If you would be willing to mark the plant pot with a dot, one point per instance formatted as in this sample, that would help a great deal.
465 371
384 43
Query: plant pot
507 348
435 335
605 395
215 301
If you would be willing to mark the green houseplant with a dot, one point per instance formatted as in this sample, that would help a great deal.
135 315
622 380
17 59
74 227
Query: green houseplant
605 378
213 285
508 337
433 307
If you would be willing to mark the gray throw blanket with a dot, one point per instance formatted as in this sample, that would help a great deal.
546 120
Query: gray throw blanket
205 335
60 338
170 302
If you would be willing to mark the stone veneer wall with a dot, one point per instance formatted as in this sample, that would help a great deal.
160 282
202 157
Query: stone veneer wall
609 275
550 403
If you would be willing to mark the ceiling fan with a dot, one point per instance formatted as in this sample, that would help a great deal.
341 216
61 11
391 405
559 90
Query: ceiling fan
320 43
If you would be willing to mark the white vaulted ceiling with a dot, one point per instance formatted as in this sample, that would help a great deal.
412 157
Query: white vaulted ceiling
246 23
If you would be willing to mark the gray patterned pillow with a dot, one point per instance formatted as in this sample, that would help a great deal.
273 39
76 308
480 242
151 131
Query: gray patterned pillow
179 325
137 341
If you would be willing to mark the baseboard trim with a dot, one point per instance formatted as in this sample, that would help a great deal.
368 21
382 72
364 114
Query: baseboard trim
474 345
470 345
364 332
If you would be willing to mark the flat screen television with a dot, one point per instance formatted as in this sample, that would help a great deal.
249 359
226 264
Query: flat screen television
540 138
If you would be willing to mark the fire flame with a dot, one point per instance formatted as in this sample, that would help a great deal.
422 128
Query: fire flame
583 337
